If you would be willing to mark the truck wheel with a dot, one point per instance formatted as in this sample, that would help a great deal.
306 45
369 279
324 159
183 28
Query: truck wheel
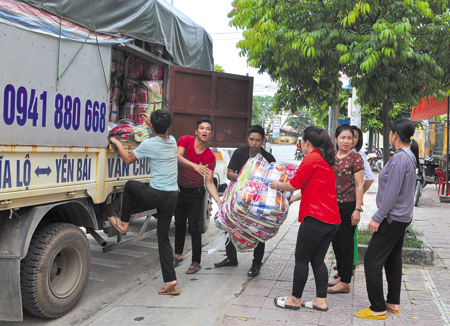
206 212
55 271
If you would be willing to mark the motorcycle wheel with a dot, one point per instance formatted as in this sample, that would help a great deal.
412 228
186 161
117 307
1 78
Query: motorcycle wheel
417 192
424 178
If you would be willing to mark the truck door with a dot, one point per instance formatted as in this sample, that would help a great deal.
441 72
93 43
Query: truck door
224 98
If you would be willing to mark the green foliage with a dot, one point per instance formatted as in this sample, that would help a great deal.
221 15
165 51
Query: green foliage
411 240
218 68
396 52
262 110
299 121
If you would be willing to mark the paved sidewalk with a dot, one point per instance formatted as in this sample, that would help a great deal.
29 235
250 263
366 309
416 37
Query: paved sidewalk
225 296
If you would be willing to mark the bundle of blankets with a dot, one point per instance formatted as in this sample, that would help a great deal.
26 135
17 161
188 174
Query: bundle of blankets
252 212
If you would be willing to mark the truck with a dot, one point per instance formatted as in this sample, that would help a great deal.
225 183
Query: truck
59 177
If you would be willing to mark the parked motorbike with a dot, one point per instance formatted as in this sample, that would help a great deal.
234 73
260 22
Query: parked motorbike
298 154
428 171
375 157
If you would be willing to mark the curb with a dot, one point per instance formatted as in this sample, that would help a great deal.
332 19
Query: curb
414 256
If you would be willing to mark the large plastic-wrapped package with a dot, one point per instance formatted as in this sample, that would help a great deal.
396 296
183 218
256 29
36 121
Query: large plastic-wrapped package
127 111
133 68
154 86
138 109
252 212
152 70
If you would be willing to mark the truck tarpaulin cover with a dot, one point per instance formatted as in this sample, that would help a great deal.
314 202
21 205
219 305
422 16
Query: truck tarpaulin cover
154 21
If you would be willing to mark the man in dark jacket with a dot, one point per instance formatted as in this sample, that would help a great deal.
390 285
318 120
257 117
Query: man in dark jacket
238 160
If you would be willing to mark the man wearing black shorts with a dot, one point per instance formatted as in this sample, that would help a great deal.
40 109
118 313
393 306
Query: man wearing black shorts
240 157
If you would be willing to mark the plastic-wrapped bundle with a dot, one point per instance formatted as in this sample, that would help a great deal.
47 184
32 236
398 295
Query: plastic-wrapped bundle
127 111
251 211
138 109
122 130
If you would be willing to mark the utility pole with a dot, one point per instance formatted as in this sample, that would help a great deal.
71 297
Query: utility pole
354 110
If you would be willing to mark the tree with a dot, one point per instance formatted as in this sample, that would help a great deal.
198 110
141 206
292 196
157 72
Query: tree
218 68
299 120
394 51
262 110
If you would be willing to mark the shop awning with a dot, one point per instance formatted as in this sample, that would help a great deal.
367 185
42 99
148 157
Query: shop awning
424 111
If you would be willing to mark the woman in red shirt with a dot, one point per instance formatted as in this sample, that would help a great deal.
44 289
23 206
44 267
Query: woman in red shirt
319 215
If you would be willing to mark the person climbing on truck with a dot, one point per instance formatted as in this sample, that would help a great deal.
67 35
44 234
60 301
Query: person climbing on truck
161 193
196 163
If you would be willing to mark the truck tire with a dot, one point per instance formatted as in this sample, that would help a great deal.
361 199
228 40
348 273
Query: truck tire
55 271
206 212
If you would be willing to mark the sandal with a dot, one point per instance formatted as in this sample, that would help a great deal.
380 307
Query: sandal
177 261
114 222
194 268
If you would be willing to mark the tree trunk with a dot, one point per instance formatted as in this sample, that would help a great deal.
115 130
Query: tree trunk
370 149
386 130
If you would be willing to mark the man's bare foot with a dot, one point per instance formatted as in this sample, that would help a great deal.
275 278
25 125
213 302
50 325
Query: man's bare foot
122 227
169 286
169 289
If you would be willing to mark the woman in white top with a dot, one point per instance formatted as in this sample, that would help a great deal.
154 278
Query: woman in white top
357 145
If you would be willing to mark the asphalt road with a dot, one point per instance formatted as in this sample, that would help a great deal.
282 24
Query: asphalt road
119 271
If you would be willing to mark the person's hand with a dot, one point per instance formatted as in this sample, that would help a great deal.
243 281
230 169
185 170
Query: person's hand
356 217
295 198
113 141
146 117
203 170
219 202
273 184
373 226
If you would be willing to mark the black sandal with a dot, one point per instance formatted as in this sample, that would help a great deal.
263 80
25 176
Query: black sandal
194 268
177 261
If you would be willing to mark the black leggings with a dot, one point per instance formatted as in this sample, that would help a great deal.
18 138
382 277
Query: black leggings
343 243
385 250
313 240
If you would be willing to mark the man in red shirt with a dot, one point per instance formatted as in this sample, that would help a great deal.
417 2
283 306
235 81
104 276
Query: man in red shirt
196 163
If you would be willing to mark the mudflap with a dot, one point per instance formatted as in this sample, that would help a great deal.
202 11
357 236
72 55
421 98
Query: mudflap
10 300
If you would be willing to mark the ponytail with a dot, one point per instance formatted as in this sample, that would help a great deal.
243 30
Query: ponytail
320 139
415 150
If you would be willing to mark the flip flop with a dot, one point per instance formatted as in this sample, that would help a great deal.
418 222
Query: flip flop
281 303
310 305
366 314
113 221
394 311
163 291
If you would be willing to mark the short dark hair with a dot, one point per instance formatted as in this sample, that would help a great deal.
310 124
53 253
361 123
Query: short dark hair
161 121
202 120
359 144
256 128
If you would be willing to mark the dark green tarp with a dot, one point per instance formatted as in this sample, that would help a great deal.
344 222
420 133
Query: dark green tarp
154 21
